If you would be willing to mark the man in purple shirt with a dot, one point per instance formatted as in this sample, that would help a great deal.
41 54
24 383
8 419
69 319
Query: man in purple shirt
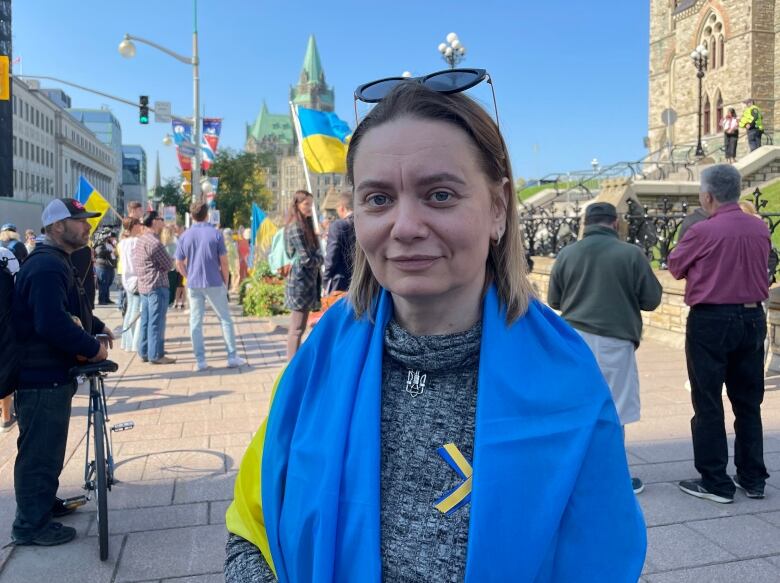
201 257
724 260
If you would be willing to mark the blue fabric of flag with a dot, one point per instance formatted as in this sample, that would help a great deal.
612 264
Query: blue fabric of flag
258 216
326 123
324 142
551 498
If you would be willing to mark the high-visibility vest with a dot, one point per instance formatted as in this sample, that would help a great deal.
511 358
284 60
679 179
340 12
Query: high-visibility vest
752 115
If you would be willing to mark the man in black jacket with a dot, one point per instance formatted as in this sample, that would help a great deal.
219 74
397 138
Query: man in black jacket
55 329
341 247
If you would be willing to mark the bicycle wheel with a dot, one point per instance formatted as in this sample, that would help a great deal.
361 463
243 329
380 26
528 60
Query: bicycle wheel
101 489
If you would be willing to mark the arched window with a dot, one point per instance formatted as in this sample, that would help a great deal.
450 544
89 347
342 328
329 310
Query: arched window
712 38
721 51
718 111
713 53
706 116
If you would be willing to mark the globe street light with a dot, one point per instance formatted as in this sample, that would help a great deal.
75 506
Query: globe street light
453 50
699 58
127 50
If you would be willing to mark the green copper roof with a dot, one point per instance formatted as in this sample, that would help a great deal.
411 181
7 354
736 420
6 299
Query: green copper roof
270 126
312 67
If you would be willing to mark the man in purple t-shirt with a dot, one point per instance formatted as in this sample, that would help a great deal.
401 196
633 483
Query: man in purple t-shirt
724 261
201 257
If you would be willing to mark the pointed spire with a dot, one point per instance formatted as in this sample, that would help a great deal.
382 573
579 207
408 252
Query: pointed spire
312 67
157 181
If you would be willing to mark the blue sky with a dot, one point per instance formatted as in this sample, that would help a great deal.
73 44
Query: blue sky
571 81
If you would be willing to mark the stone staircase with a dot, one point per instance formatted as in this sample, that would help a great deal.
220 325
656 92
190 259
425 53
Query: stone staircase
681 183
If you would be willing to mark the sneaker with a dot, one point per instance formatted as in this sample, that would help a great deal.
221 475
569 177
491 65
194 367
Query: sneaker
235 362
163 360
201 366
637 485
54 534
694 488
59 509
8 425
756 492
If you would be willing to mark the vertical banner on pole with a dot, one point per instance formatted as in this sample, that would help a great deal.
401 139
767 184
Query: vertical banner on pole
212 127
182 135
6 112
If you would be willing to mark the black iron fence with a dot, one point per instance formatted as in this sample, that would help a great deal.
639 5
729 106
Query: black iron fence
655 229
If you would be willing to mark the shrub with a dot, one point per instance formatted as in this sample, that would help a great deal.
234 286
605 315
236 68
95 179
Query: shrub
261 295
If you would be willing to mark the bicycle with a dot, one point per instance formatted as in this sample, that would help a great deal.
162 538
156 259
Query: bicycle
99 471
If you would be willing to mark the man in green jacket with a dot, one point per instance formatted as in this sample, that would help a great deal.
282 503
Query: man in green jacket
600 284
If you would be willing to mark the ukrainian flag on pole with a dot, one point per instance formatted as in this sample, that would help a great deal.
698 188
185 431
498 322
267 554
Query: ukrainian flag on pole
325 138
93 201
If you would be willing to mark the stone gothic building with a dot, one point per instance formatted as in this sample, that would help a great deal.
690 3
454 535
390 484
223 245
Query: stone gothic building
743 41
275 133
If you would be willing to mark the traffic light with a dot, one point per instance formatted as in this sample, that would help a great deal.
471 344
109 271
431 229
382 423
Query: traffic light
143 114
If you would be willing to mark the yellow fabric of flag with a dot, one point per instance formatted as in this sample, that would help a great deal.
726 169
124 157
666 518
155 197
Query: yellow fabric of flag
93 201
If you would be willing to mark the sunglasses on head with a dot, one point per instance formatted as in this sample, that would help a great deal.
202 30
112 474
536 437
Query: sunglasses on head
448 81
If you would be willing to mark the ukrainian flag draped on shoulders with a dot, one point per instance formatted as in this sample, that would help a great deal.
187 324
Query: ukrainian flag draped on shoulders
551 498
93 201
325 138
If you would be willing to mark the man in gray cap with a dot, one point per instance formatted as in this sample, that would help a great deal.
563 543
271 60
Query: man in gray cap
55 328
600 284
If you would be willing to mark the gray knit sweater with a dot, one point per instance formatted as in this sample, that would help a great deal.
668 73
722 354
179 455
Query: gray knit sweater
419 544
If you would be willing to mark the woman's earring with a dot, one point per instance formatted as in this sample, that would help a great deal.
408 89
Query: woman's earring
498 239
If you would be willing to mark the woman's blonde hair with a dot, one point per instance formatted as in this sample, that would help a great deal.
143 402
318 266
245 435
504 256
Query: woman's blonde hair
748 207
166 235
506 263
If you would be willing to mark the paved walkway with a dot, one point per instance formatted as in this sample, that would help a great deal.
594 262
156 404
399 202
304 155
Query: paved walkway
178 465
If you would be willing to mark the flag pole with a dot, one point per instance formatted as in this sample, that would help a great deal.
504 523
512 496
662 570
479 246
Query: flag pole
299 133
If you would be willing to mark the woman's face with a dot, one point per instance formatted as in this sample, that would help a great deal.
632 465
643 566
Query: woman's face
424 210
305 206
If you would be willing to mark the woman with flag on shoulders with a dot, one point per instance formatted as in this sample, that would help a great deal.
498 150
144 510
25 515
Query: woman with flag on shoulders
441 424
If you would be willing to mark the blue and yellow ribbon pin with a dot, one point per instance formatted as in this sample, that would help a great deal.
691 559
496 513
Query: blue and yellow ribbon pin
460 495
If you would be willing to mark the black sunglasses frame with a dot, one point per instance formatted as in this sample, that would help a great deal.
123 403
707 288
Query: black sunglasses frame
479 76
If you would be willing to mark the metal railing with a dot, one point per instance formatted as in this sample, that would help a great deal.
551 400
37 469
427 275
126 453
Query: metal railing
654 229
545 232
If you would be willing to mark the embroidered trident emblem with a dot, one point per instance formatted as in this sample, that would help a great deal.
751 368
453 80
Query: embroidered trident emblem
460 495
415 383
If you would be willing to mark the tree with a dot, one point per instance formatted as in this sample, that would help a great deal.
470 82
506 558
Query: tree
170 194
242 181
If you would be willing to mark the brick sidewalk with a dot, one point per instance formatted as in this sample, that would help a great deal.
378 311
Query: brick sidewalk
177 469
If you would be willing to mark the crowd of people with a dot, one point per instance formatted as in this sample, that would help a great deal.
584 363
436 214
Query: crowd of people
414 391
55 328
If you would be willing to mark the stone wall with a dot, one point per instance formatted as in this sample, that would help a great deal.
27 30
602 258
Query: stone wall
666 324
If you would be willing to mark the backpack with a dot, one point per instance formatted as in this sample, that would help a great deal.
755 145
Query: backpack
17 248
279 260
9 354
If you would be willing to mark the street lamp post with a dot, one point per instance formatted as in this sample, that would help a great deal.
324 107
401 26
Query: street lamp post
127 50
699 58
453 50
